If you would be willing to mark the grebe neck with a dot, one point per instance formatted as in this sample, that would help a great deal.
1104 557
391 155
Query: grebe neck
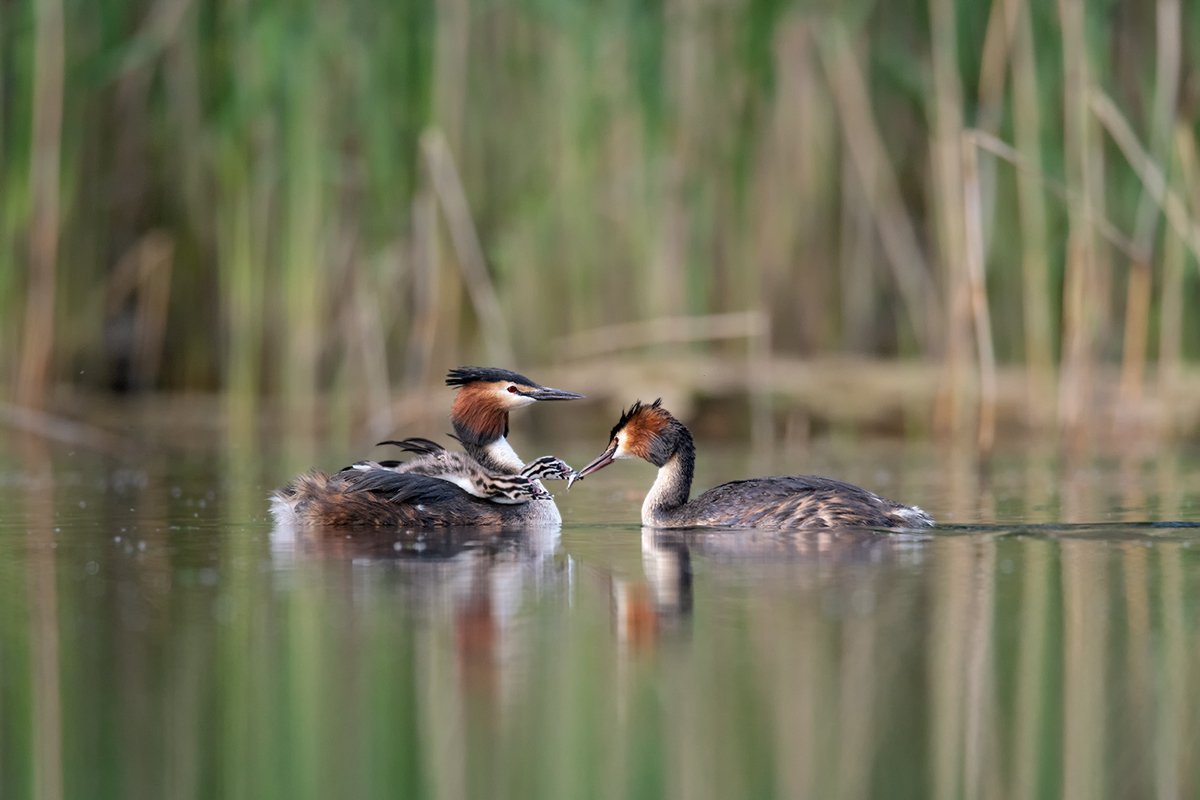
673 485
477 421
482 429
496 455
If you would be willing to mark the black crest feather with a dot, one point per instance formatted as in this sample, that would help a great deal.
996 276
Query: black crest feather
464 375
631 413
415 445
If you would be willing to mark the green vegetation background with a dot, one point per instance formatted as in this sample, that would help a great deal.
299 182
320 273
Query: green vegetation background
265 197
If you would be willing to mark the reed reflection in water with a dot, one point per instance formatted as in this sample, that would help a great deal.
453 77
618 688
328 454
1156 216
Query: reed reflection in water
217 659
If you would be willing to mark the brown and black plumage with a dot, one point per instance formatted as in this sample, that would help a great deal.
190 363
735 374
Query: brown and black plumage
387 499
790 501
479 415
487 485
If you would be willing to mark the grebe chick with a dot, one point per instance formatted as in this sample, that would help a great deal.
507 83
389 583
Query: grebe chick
790 501
489 485
439 462
465 472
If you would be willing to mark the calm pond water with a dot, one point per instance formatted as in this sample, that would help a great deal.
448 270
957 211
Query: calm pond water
159 640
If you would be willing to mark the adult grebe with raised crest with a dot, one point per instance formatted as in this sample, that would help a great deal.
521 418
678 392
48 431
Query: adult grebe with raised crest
789 501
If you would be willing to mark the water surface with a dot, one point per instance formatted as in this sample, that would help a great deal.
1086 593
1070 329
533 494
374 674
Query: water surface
159 639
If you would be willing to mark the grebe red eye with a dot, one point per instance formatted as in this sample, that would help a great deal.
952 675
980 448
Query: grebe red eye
512 389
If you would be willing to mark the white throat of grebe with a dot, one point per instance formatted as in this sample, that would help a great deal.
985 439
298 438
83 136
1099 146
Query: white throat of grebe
666 489
502 453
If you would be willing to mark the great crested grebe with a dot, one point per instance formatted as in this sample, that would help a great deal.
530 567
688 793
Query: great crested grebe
789 501
489 485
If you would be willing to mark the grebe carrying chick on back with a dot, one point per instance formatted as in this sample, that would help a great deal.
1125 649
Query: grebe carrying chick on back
488 485
790 501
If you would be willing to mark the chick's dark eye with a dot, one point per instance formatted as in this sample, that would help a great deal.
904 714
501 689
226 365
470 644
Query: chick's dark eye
512 389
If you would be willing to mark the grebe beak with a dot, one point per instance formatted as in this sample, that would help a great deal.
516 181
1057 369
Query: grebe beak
546 393
602 461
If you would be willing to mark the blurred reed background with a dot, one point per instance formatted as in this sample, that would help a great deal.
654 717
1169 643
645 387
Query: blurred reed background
324 203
